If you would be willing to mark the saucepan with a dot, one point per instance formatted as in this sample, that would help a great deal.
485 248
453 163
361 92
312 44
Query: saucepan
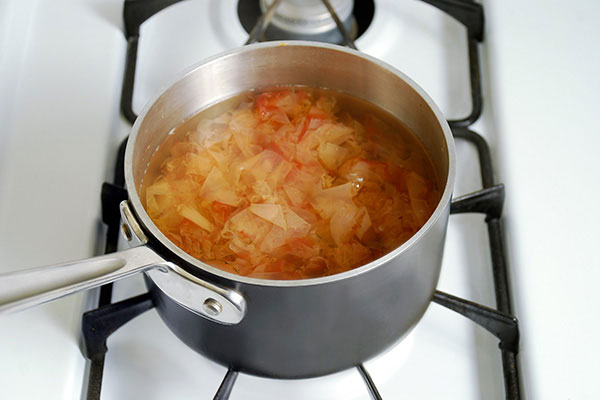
285 329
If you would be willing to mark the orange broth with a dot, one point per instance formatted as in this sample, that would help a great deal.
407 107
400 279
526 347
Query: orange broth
290 183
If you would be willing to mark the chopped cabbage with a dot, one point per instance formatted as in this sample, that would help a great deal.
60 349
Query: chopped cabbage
289 186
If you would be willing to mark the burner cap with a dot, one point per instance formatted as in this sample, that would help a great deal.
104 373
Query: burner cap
308 17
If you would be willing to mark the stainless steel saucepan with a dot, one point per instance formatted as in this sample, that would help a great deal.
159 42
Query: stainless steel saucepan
286 329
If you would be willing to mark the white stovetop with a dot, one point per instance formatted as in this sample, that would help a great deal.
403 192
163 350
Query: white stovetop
60 71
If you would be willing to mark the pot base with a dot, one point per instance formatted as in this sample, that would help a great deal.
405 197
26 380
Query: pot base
229 347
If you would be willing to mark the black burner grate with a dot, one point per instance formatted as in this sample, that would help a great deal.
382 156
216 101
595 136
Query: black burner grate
98 324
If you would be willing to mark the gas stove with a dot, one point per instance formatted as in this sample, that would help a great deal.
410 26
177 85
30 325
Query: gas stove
73 76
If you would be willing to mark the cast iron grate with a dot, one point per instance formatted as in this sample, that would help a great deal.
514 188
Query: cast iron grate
99 324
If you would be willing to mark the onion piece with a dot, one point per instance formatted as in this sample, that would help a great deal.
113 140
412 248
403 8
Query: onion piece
315 267
285 275
296 196
303 248
159 187
328 201
246 228
276 177
198 164
219 156
417 191
274 239
244 121
245 145
259 167
242 267
216 188
332 155
225 266
304 179
159 197
296 226
360 170
351 254
194 216
363 222
338 134
342 223
278 236
262 193
211 131
271 212
242 126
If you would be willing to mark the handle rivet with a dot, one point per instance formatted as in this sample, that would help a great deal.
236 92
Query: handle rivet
212 306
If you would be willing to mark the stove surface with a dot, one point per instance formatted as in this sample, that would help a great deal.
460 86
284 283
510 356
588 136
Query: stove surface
61 69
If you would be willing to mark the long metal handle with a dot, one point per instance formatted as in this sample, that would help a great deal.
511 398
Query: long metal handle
23 289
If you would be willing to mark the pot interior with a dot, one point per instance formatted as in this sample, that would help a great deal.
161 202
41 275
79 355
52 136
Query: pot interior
283 64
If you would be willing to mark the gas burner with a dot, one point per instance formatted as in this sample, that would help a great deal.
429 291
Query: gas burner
308 19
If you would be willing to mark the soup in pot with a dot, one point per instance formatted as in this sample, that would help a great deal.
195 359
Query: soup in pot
290 183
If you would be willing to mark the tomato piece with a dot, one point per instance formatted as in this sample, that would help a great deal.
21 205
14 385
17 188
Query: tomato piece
264 105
